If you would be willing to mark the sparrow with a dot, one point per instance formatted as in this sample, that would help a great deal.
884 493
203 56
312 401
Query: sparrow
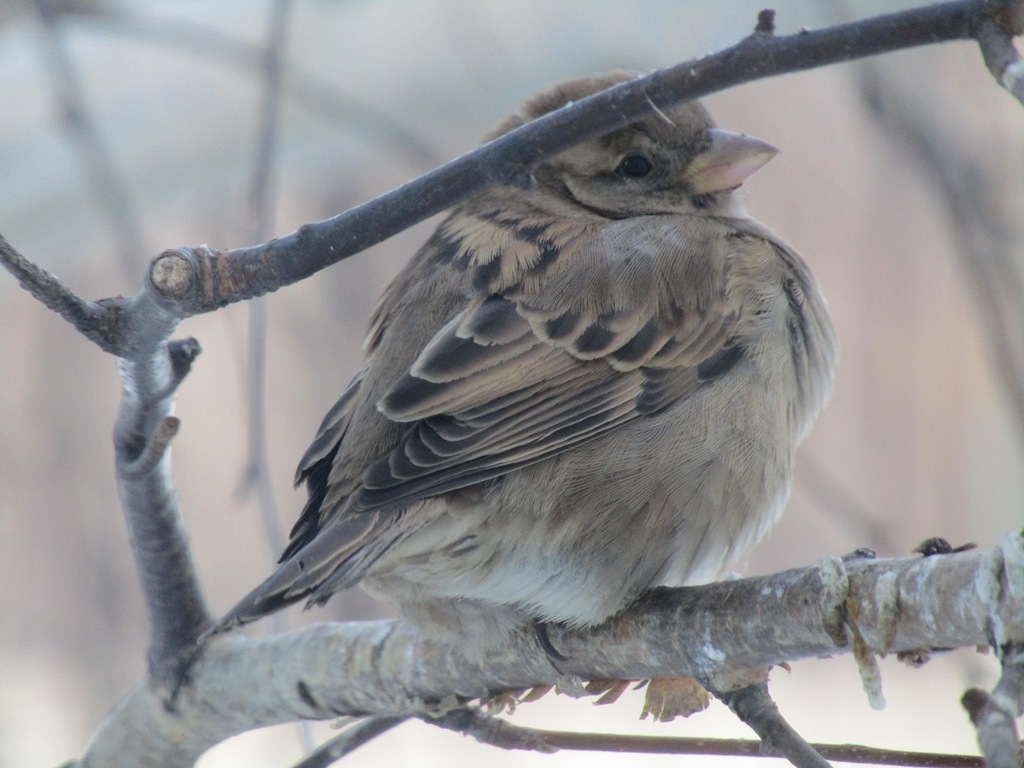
578 389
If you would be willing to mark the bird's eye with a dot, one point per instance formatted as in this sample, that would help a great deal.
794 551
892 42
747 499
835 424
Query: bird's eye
635 166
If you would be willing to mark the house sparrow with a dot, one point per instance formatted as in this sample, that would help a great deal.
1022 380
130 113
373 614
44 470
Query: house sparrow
574 392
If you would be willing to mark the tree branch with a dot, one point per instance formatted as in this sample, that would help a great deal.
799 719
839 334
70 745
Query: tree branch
94 321
982 224
348 741
355 668
262 195
224 276
499 733
142 435
755 707
195 280
317 96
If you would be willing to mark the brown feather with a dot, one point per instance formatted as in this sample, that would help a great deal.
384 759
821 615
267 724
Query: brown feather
571 393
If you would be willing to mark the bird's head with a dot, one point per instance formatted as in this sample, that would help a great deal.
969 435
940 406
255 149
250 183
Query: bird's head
674 161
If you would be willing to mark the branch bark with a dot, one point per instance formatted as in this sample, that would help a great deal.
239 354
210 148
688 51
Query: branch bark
723 634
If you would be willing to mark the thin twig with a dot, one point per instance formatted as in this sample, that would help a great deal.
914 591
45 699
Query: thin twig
754 706
92 320
488 729
347 742
263 198
155 449
494 731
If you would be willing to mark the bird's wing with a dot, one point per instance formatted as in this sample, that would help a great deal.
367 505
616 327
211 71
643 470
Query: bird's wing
315 465
636 320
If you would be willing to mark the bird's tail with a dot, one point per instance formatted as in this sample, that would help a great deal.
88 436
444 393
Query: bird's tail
336 559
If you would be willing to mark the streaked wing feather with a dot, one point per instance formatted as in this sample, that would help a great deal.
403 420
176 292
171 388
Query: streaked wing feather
421 482
429 446
573 334
617 333
340 553
332 429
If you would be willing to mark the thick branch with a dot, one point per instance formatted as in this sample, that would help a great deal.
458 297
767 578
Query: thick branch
327 670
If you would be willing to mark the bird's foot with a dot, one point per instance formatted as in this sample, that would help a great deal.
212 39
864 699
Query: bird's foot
937 545
540 630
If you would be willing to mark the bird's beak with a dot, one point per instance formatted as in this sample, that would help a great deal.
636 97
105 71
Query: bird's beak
729 161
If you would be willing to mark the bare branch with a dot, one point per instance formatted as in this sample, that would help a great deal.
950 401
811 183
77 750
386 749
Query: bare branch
225 276
488 729
500 733
319 97
202 279
321 672
348 741
145 426
92 320
262 198
755 707
154 451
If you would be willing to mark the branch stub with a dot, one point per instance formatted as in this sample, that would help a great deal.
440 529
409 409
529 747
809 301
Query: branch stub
171 273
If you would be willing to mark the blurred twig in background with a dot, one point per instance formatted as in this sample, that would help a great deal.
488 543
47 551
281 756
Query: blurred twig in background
83 132
983 220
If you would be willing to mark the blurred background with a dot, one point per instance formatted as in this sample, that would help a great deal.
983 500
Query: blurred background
129 128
